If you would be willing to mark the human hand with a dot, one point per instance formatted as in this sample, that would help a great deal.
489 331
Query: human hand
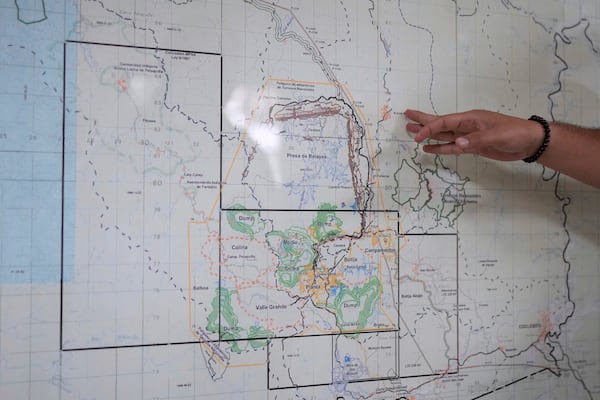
489 134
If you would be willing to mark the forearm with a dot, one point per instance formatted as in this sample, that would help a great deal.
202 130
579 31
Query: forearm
574 151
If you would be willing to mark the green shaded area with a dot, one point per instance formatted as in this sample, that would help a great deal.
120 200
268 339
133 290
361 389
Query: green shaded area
229 321
362 297
326 224
228 326
244 221
294 249
262 334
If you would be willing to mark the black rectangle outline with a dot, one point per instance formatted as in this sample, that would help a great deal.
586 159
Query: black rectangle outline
457 369
390 378
347 332
62 199
395 339
66 44
141 47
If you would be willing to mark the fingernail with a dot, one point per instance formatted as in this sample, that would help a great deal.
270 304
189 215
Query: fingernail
462 142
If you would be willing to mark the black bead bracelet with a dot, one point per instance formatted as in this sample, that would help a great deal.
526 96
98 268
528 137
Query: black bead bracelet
546 141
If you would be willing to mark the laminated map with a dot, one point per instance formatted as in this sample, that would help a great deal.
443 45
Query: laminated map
219 199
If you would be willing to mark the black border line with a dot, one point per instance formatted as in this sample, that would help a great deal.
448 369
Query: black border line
62 197
511 383
389 378
398 376
130 346
269 338
143 48
66 44
220 217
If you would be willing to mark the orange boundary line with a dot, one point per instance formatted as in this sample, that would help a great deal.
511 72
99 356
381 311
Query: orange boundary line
217 199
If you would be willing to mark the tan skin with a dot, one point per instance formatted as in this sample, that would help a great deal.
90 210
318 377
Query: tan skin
572 150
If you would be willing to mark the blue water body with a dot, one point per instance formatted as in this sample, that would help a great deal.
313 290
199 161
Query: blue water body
31 97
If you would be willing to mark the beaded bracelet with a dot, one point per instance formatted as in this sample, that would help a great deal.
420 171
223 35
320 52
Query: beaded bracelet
546 141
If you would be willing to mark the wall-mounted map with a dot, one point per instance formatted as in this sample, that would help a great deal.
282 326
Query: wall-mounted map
218 200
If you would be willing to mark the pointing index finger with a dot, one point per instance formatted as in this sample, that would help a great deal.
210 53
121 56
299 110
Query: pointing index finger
419 116
420 120
445 123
